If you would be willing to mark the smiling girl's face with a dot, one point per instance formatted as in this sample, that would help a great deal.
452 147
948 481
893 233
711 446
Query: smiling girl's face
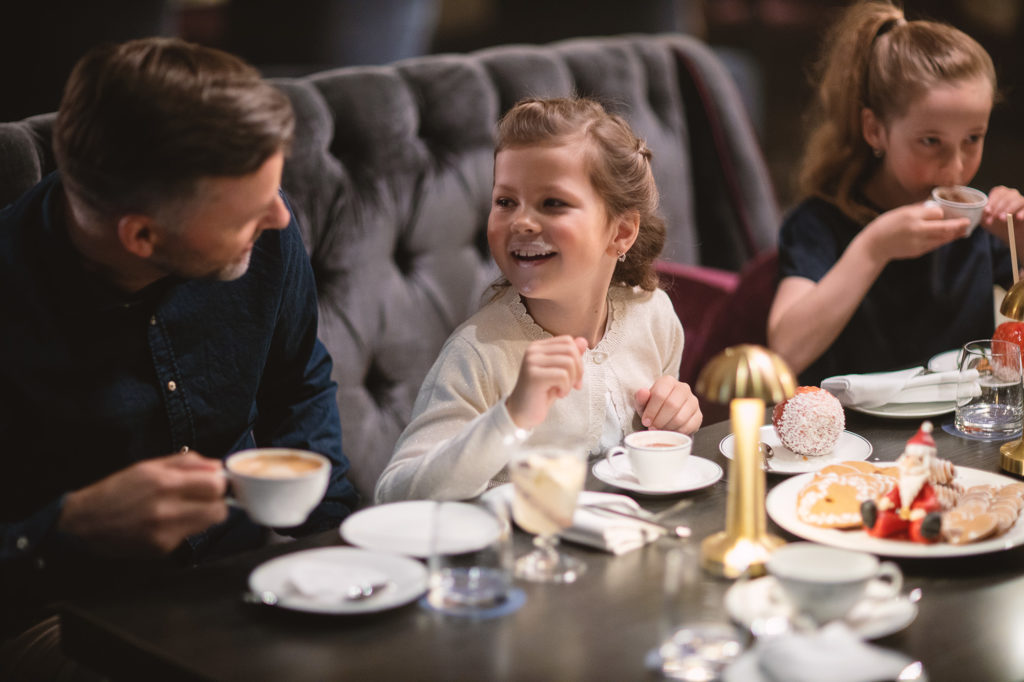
548 229
938 141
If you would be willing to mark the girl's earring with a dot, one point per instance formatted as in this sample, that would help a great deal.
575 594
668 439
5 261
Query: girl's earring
622 256
879 153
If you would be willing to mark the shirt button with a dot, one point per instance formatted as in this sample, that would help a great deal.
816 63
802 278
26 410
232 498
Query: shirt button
171 386
184 448
152 321
22 543
599 358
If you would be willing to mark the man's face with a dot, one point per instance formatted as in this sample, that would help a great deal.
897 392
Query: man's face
217 229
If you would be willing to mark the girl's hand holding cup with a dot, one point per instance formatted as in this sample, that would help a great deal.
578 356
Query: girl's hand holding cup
1002 200
551 368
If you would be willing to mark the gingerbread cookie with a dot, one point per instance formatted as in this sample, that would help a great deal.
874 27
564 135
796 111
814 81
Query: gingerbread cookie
832 500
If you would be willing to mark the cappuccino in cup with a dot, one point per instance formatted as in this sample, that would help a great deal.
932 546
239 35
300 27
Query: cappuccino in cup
277 487
284 465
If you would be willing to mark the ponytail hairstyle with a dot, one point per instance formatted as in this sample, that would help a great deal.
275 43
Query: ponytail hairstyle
874 58
618 163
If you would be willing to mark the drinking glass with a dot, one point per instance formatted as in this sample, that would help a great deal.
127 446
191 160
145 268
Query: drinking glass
473 579
989 390
697 644
546 480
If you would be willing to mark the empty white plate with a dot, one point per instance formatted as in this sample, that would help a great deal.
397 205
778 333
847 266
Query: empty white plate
406 527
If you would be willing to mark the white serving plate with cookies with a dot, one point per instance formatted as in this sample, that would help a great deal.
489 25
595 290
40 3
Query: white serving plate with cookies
848 447
781 506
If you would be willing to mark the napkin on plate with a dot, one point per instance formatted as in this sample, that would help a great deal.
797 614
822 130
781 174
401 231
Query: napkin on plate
614 534
902 386
331 582
831 653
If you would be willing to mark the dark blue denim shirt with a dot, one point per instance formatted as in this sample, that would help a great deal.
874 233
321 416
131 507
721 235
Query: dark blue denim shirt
93 380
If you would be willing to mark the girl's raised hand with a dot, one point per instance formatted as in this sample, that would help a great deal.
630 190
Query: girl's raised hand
1002 200
670 405
911 231
551 368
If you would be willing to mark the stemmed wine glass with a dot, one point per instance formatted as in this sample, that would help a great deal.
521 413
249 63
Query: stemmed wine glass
547 480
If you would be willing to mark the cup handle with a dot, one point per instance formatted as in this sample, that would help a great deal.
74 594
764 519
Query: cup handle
890 574
610 456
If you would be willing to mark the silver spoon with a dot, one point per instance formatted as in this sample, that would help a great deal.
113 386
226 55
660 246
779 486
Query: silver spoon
766 454
355 592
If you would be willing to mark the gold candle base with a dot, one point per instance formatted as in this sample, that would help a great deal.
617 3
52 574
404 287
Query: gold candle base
731 557
744 545
1012 457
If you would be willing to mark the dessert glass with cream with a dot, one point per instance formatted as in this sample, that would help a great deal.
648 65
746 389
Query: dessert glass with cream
547 480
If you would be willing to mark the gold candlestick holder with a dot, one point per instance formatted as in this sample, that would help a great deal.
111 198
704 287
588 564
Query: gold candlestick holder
1012 454
744 376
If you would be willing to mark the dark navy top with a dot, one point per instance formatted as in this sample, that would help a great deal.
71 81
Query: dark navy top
916 308
92 380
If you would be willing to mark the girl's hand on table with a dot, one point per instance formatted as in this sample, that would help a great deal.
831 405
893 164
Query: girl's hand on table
669 405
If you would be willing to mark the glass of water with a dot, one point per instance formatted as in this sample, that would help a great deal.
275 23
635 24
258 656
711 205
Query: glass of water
697 641
469 578
989 390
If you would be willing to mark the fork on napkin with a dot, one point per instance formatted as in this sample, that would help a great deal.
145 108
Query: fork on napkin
614 534
914 385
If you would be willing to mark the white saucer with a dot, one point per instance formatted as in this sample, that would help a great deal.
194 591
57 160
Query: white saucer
407 579
406 528
697 473
946 361
849 447
875 615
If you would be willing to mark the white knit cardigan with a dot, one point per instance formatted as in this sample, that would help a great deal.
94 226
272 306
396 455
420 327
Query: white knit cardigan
461 437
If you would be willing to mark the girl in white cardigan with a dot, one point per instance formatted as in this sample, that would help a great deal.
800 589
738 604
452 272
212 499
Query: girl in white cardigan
579 340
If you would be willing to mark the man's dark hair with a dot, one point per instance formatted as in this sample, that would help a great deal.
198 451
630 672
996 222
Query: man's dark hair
142 122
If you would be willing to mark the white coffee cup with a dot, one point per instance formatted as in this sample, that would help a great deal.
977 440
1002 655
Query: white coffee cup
657 458
826 582
277 487
957 201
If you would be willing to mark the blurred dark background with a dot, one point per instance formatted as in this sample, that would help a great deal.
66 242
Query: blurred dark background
767 44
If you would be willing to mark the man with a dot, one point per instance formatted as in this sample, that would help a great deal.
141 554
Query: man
160 313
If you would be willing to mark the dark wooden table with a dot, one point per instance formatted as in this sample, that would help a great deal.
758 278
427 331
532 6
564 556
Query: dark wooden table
970 625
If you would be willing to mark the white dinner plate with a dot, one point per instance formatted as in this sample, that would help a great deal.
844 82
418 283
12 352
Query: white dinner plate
781 505
406 578
907 410
877 614
946 361
849 447
406 528
697 473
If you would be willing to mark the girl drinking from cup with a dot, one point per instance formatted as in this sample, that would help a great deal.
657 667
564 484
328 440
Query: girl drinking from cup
872 276
578 341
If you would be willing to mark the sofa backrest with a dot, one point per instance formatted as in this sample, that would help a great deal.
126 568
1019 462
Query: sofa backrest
390 177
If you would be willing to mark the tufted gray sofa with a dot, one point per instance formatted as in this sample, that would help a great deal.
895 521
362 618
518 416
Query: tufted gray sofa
390 177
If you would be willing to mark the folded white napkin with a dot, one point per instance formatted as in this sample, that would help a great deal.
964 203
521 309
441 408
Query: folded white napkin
615 534
330 581
831 653
902 386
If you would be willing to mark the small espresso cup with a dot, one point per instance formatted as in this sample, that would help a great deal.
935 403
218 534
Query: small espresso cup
657 458
957 201
826 582
277 487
